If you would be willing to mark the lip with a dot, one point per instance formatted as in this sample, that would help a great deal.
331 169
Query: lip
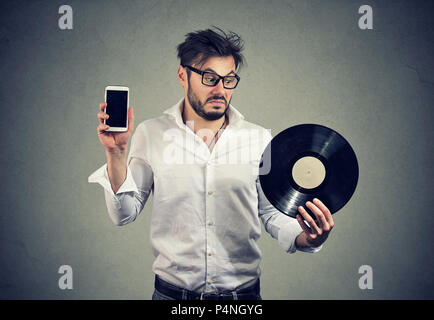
216 101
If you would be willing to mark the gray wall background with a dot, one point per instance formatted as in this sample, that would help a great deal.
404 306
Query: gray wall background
307 62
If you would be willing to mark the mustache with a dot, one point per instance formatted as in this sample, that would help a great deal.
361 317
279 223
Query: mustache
217 98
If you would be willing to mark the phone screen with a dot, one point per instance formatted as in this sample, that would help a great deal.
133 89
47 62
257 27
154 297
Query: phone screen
117 108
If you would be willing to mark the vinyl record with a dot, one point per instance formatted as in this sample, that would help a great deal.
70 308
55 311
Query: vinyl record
309 161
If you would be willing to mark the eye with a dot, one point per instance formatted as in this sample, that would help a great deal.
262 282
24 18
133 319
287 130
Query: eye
229 80
209 77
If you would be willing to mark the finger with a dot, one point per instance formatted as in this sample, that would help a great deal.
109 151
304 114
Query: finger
321 220
102 116
303 225
102 106
325 211
130 119
309 220
102 128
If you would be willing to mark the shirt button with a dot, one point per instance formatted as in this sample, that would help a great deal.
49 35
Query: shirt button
210 193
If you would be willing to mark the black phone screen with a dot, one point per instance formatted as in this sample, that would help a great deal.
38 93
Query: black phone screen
117 108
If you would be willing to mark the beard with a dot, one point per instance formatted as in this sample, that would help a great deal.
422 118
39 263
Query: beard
199 106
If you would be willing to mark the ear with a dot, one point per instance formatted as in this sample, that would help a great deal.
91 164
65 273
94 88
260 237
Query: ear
182 75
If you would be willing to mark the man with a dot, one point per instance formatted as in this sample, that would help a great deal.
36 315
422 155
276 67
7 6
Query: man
200 160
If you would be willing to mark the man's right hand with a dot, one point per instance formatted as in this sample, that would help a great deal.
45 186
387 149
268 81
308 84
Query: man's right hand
115 144
114 141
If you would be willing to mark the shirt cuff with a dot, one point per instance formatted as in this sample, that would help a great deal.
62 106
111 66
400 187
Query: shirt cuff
101 176
308 249
287 237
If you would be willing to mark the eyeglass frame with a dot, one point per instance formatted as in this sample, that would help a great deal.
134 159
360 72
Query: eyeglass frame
217 82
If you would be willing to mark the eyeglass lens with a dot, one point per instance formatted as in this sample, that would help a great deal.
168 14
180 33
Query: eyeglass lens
211 79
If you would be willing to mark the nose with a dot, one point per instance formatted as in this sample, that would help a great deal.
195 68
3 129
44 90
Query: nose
218 89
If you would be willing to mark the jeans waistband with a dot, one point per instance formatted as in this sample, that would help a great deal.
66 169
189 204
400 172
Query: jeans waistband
177 293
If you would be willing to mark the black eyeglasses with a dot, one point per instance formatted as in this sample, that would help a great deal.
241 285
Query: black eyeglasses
211 79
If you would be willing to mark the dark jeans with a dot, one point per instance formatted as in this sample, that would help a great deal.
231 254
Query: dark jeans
167 291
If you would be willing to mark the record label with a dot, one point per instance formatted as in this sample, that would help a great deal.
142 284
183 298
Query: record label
308 172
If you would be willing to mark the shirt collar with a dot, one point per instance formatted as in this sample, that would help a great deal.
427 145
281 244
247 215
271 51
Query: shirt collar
235 117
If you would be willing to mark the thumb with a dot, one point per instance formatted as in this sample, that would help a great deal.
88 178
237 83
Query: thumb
130 119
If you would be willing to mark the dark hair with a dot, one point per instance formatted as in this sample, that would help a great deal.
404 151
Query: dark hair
203 44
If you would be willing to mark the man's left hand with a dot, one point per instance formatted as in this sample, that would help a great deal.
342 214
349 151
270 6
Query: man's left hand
316 233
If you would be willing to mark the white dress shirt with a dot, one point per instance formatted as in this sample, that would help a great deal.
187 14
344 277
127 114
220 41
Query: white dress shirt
207 204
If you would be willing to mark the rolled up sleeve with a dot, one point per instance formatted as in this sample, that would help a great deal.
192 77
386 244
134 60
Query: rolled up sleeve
124 206
281 227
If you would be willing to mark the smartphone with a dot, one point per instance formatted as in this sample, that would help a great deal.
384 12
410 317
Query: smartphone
117 99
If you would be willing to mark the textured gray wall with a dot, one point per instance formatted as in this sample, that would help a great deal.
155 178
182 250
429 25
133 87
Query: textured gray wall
307 62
